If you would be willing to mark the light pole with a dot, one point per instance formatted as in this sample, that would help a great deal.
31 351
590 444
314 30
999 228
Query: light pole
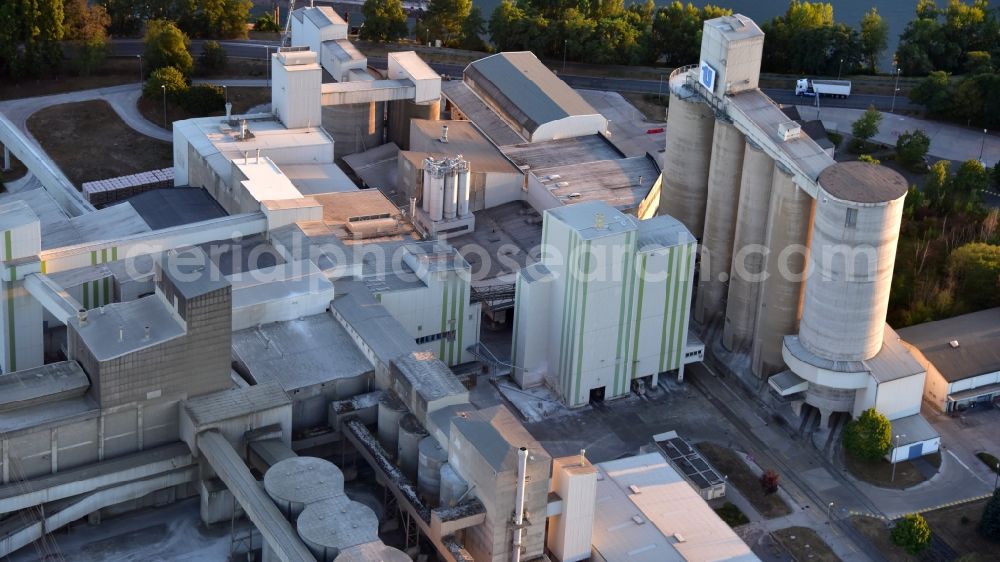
996 480
565 47
895 90
225 92
894 451
829 513
140 68
164 88
660 88
841 69
982 148
267 62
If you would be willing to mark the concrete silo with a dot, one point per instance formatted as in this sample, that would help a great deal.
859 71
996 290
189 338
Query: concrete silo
724 178
854 238
748 240
780 301
334 524
355 127
296 482
690 128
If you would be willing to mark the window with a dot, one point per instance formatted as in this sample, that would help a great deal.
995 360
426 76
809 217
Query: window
450 334
852 218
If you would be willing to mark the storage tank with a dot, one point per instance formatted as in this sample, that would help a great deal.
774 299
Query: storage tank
400 114
390 411
450 191
354 127
853 249
425 189
298 481
453 486
690 126
436 192
372 551
464 187
430 458
410 435
329 526
748 240
724 175
781 293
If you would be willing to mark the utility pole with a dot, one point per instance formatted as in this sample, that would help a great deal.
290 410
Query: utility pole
895 90
660 88
982 149
841 69
164 88
565 47
829 513
894 452
140 69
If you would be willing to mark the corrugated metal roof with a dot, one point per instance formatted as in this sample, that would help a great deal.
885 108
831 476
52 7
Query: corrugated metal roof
428 375
488 121
584 217
234 403
977 335
525 89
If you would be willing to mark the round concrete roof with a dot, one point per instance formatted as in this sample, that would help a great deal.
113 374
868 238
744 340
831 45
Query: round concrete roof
303 480
860 182
333 523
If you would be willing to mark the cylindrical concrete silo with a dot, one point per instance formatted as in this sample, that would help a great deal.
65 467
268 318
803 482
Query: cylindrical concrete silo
372 551
390 411
410 435
690 126
852 253
400 114
464 187
296 482
453 486
329 526
788 252
450 191
436 192
748 241
354 127
425 190
724 177
430 458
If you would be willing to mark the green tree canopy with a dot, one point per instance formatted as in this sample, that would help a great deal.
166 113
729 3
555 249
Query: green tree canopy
385 20
989 524
30 31
943 39
213 58
867 125
166 77
911 148
874 38
166 45
473 29
676 31
445 18
87 25
806 39
975 270
912 533
934 93
869 437
266 24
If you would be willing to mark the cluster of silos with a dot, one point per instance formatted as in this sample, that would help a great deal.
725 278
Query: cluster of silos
355 127
855 232
446 185
309 492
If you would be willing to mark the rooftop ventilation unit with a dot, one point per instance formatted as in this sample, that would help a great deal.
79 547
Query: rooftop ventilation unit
953 343
789 130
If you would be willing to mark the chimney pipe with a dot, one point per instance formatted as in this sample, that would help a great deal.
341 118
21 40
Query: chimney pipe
522 475
444 134
583 457
258 157
81 315
146 335
229 111
121 334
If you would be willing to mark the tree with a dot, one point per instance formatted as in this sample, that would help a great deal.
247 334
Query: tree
912 533
934 93
932 43
911 148
87 25
769 481
676 31
213 18
869 159
444 19
866 126
473 29
869 437
989 524
30 32
978 62
936 185
266 23
975 270
965 189
385 20
166 45
874 38
174 80
213 58
202 99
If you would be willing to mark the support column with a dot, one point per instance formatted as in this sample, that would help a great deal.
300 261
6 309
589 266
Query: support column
6 158
21 344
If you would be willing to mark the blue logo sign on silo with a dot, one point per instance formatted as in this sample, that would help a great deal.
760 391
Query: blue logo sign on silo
707 76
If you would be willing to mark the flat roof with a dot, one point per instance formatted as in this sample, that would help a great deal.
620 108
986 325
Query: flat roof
292 280
377 167
413 65
300 353
499 229
427 375
313 179
236 402
524 88
583 217
463 138
497 435
736 27
473 107
339 208
120 328
977 335
265 180
563 152
343 50
688 460
380 331
176 206
41 384
673 522
861 182
622 183
192 272
663 231
913 429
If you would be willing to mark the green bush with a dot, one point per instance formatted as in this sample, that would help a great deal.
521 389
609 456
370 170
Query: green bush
266 24
213 58
836 138
989 460
202 99
168 76
869 159
732 515
975 270
166 45
869 437
912 533
912 148
989 524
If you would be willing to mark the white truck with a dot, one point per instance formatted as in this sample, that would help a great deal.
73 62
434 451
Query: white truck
829 88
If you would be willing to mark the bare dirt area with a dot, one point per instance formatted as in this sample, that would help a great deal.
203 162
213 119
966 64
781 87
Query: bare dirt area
953 531
650 105
729 463
88 141
880 473
802 543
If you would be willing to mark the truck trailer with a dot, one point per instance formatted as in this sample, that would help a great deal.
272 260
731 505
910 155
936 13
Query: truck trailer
829 88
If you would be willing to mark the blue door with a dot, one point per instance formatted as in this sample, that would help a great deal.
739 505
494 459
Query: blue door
916 451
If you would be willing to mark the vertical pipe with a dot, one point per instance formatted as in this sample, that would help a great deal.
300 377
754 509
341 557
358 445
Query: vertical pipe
425 196
464 181
522 473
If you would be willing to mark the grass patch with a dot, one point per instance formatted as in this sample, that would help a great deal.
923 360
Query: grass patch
879 473
652 106
88 141
989 460
732 515
731 465
802 543
955 526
